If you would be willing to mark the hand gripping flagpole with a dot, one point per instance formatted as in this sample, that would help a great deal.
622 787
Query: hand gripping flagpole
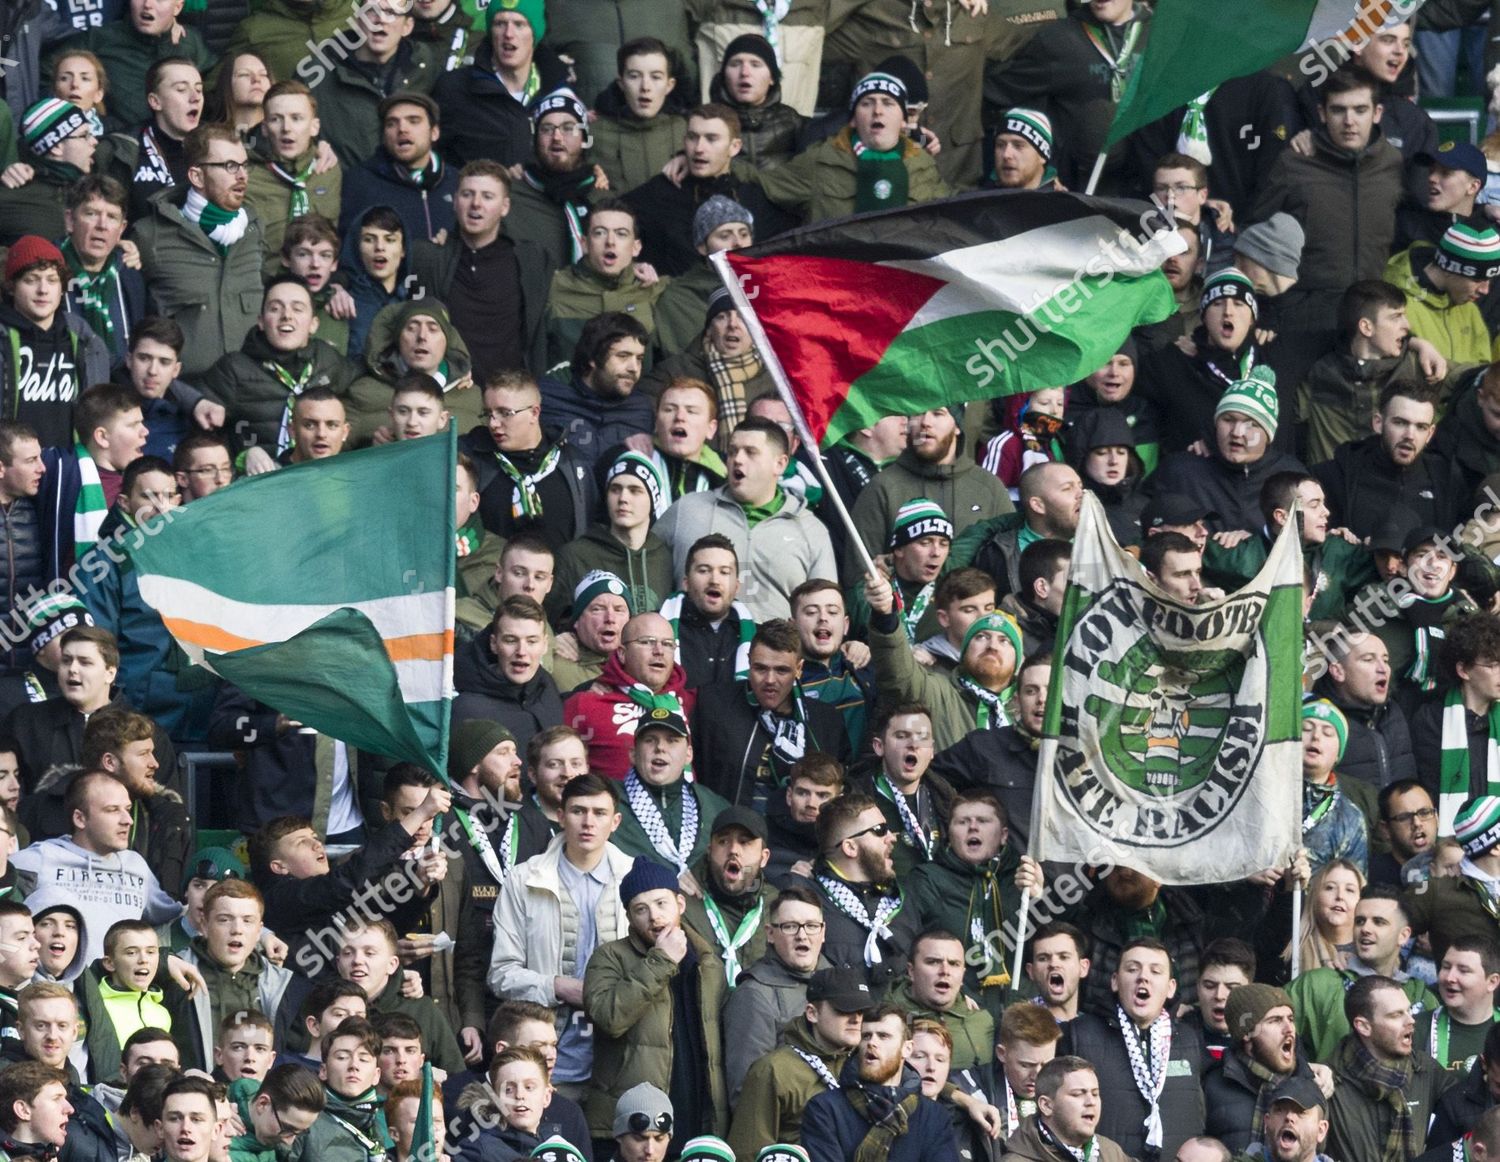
741 301
1297 930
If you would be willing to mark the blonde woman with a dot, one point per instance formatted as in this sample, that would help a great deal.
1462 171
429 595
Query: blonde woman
1327 935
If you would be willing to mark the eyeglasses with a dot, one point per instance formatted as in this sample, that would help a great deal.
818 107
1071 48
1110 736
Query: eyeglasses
507 413
567 129
644 1123
216 471
792 928
1175 188
653 643
282 1129
233 168
1407 818
879 831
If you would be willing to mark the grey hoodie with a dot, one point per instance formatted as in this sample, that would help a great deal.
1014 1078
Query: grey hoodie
104 888
47 898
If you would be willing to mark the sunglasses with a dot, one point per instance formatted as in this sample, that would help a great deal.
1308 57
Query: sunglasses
644 1123
879 831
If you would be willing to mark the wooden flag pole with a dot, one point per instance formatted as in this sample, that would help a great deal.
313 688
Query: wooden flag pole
731 281
1296 930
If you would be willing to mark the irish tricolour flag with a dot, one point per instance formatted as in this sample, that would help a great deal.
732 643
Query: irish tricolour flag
324 590
1195 45
967 298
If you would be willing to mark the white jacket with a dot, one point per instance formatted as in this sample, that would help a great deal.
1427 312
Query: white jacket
536 925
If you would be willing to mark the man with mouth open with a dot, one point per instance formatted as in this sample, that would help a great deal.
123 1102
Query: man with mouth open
665 817
1057 961
734 907
1149 1064
1386 1087
1455 1033
34 1111
1296 1124
1381 929
1262 1056
1066 1123
190 1119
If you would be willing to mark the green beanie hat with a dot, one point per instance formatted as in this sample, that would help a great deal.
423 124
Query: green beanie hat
1004 623
1477 824
782 1152
1325 711
1253 396
598 583
917 519
1469 251
706 1149
535 12
557 1149
1229 284
472 739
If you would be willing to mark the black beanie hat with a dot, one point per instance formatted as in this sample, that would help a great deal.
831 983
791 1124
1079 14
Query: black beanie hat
757 45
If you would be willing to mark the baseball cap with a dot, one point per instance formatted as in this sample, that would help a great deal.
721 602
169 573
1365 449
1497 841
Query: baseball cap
662 716
1457 155
1303 1092
843 988
743 818
1172 508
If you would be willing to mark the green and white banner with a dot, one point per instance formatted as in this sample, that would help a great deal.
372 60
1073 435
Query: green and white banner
1173 736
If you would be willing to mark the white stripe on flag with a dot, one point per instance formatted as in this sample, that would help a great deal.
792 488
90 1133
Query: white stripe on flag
394 617
1020 273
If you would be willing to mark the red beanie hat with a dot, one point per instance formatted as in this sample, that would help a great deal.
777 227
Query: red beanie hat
29 251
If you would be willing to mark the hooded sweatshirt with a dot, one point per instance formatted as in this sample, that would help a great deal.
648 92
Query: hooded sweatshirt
370 394
369 294
52 898
43 375
104 888
606 717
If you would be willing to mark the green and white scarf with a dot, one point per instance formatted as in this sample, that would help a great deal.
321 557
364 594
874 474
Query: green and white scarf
223 228
911 618
1120 63
880 178
298 205
525 500
1192 135
93 292
671 609
90 508
1454 774
295 385
730 945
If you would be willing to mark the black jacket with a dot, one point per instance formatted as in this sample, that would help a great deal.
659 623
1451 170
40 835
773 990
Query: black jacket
831 1128
1229 1094
50 734
484 692
425 208
1003 761
298 910
22 570
729 738
1363 486
434 267
1379 750
480 117
844 937
1463 438
708 654
1231 490
1185 389
666 217
1459 1108
1123 1111
568 494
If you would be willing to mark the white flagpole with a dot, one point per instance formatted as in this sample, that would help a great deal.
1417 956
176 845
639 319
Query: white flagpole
784 389
1020 961
1097 174
1296 930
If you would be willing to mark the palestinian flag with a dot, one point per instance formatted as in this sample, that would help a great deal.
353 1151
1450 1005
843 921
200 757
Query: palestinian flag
1195 46
972 297
324 590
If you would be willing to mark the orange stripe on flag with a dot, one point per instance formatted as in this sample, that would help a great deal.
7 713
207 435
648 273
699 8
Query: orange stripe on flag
420 647
1370 19
209 637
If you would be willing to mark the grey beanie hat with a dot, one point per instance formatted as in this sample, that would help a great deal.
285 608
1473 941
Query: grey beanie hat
1275 243
716 212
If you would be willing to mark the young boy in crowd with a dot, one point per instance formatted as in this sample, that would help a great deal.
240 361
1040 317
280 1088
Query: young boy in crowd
519 1092
401 1053
244 1046
204 870
239 977
310 250
59 931
369 956
352 1125
793 830
275 1112
119 995
328 1005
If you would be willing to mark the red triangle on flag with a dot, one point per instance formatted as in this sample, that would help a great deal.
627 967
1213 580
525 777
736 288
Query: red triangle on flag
829 320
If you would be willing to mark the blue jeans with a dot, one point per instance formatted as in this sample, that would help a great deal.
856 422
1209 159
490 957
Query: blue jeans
1438 55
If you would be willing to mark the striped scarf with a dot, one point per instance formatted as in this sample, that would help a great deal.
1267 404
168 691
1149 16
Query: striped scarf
298 205
1387 1084
223 228
1454 774
730 375
1425 616
94 292
671 609
90 508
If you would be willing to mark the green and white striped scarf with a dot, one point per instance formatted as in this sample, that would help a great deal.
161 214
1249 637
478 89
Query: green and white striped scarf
671 609
1454 773
90 508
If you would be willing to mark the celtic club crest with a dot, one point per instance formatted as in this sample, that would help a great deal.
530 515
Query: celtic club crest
1161 727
